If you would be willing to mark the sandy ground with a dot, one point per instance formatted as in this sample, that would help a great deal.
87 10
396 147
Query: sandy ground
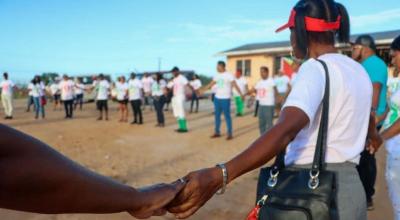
143 155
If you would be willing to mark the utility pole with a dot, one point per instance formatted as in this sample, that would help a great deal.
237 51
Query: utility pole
159 64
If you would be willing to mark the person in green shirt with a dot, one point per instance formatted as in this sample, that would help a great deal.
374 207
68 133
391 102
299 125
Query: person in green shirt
364 51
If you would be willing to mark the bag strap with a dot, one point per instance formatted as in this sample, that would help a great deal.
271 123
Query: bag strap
320 149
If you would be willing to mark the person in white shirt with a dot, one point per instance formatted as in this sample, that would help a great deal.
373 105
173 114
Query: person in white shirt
195 84
67 87
224 83
147 82
282 83
159 92
265 91
103 91
179 85
36 89
391 135
7 92
29 101
135 98
243 86
56 93
314 25
122 89
79 90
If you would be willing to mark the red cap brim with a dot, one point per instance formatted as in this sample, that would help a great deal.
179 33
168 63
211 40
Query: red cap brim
284 27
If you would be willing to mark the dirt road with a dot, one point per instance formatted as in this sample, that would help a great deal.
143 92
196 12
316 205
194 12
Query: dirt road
143 155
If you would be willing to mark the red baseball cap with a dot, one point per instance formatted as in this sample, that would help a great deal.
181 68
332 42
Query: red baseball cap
312 24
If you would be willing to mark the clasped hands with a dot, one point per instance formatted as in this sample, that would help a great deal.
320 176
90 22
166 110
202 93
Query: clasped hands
181 198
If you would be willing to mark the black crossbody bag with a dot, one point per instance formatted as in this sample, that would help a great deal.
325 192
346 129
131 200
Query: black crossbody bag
300 194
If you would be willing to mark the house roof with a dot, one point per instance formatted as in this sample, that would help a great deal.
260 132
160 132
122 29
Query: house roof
385 37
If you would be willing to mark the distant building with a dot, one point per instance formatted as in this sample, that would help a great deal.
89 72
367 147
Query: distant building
249 58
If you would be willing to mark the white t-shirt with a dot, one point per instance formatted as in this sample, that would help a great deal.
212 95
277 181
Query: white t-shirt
122 91
349 113
157 89
393 144
103 88
79 89
135 89
242 83
266 92
34 89
293 79
55 89
7 87
179 84
147 82
223 82
196 84
67 89
393 84
282 84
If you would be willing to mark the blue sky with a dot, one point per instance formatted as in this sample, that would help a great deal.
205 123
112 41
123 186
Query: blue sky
119 36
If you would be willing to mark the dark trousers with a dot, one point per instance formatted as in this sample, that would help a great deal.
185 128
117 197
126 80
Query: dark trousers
69 108
159 103
195 100
79 101
137 110
257 106
367 171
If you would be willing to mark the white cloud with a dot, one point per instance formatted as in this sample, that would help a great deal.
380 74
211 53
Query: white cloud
253 30
378 18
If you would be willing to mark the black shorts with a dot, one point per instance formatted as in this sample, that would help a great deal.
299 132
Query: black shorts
102 105
123 102
57 97
79 96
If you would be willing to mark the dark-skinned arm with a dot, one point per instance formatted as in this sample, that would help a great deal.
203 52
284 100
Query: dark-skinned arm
374 140
375 97
203 184
36 178
391 131
206 88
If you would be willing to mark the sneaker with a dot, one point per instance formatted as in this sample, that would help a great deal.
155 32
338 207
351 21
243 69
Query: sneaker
215 136
181 131
370 206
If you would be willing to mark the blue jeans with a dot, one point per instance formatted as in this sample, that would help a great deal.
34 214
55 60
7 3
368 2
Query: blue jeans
159 102
38 106
222 106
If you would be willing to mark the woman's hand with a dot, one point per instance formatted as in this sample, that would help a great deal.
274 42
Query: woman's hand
374 142
155 198
200 187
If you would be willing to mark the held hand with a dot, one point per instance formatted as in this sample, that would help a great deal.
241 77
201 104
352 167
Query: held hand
200 187
155 198
374 142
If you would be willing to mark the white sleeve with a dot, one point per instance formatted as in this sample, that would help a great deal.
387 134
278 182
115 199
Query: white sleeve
308 91
231 78
170 84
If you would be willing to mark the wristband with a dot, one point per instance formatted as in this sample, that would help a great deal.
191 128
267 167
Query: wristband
224 179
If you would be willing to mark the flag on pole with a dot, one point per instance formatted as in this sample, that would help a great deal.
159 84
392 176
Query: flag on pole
287 66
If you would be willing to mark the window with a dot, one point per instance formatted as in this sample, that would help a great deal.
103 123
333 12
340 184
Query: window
247 68
239 66
244 66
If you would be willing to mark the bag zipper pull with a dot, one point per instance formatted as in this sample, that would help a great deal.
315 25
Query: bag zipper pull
254 214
